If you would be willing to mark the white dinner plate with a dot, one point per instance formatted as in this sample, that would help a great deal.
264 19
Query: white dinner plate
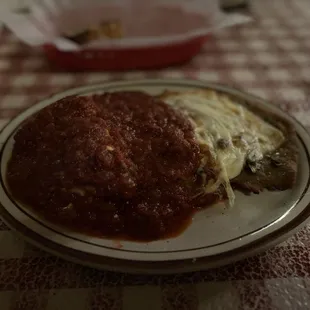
217 235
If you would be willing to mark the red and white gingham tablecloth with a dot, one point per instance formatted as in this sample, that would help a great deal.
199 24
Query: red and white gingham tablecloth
269 57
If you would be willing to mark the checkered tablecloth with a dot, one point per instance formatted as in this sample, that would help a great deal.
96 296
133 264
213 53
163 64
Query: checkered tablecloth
269 57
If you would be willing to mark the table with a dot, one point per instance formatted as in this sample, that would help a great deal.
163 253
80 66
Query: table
269 57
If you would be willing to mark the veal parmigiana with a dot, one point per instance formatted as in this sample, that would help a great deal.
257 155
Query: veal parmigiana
233 134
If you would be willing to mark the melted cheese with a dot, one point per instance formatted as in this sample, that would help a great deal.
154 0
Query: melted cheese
217 119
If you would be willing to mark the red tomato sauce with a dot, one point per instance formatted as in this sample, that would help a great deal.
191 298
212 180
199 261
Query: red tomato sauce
118 165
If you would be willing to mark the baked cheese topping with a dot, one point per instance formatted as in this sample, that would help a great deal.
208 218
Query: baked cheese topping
234 134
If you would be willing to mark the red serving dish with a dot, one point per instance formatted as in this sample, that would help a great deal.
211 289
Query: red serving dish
151 57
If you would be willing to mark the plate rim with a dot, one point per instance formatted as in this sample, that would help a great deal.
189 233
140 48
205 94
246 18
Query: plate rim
147 267
180 82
